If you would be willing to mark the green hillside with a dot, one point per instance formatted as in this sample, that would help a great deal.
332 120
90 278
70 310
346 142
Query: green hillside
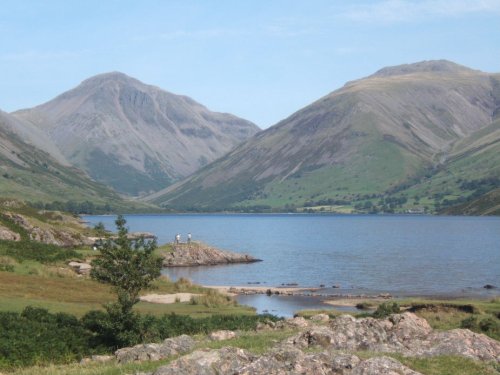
29 174
415 139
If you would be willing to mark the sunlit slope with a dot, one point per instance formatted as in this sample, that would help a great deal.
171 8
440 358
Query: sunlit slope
132 136
370 137
28 173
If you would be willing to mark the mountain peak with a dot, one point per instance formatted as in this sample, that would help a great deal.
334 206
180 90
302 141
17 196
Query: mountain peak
431 66
109 77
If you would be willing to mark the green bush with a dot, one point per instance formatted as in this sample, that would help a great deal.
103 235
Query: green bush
113 332
385 309
38 337
488 326
6 267
40 252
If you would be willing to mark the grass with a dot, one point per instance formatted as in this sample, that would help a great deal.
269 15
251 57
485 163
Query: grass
78 295
438 365
447 365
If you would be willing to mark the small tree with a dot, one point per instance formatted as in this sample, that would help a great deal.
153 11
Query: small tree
129 266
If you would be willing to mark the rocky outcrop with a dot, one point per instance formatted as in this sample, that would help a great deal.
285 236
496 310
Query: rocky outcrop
282 361
80 267
401 333
46 233
200 254
154 352
322 346
7 234
222 335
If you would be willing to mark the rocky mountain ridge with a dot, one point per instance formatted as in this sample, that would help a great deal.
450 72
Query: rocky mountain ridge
132 136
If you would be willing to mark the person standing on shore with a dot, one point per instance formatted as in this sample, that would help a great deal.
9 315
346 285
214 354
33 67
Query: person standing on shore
189 238
177 238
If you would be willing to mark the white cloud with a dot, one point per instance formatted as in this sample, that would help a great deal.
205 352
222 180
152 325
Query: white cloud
390 11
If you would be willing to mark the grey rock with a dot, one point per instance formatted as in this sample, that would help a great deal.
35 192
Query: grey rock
297 322
208 362
153 352
222 335
462 342
80 268
200 254
401 333
281 361
382 365
320 318
7 234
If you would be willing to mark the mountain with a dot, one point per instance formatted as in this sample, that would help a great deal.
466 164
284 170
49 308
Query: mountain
32 174
358 147
135 137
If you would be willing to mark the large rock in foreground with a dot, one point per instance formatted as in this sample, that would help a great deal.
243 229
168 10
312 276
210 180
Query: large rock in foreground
200 254
321 347
281 361
400 333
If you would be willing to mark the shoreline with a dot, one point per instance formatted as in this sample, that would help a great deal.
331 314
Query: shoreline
337 299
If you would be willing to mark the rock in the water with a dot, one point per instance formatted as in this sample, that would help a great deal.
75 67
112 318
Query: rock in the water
199 254
154 352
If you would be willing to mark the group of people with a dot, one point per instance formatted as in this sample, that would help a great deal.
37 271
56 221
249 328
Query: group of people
178 238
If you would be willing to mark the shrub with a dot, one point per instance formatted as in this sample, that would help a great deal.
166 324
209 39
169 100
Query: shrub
38 337
385 309
212 298
364 306
40 252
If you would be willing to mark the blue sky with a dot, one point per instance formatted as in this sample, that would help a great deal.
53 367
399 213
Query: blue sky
258 59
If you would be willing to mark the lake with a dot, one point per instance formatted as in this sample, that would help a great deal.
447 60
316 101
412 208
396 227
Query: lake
403 255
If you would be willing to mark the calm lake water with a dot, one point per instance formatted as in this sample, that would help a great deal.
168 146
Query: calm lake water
401 255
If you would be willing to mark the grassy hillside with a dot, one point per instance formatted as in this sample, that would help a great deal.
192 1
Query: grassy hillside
416 138
30 174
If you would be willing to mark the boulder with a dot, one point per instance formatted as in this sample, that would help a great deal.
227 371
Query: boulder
80 268
208 362
297 322
145 352
320 318
400 333
284 360
382 365
222 335
7 234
